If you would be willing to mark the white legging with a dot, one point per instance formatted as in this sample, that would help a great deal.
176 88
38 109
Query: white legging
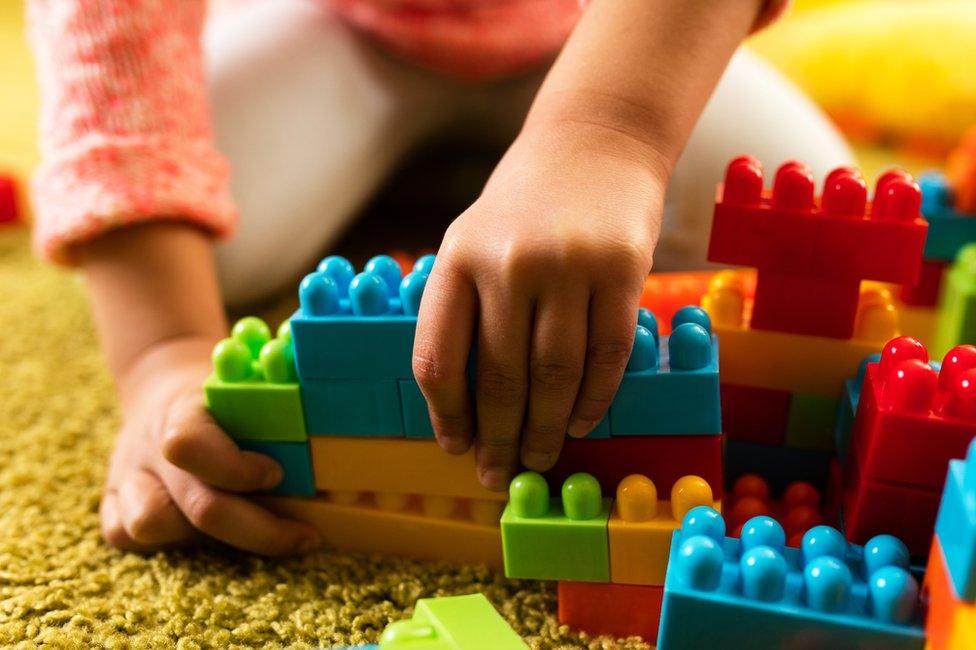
313 118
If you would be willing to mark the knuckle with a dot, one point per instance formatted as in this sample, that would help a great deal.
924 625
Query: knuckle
610 352
177 444
429 373
556 375
201 509
501 385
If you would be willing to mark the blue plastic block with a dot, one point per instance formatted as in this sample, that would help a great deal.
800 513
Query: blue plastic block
671 388
416 419
357 327
780 466
753 592
352 407
296 461
956 525
949 230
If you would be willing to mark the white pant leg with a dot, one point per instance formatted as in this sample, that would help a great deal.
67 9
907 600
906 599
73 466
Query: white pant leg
754 110
312 119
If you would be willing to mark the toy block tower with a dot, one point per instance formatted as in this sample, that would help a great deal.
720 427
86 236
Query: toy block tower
911 419
950 580
787 349
756 592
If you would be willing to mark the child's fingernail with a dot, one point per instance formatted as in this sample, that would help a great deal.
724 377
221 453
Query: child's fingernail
579 429
272 478
495 478
309 544
537 460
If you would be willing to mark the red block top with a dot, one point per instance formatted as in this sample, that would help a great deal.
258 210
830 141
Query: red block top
906 383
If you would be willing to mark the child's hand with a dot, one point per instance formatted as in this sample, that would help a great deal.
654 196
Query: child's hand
545 270
174 474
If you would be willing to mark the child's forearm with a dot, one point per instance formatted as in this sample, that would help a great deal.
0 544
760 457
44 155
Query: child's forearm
643 69
151 285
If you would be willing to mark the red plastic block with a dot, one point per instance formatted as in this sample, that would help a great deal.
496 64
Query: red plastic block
925 292
911 420
611 609
872 508
663 459
755 414
8 200
799 509
812 254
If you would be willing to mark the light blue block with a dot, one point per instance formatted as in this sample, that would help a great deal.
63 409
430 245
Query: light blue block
296 461
416 419
737 594
665 401
352 407
956 525
949 230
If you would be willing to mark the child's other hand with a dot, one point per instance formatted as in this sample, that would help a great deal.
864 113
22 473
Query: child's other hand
174 474
544 274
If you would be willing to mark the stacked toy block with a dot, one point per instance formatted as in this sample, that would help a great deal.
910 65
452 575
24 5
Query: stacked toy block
950 580
755 592
957 302
787 348
609 555
911 419
800 507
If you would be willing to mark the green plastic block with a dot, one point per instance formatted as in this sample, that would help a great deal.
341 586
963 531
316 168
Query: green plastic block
455 623
812 422
957 304
253 393
556 538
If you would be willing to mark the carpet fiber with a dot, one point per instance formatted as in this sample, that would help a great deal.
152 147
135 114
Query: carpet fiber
60 585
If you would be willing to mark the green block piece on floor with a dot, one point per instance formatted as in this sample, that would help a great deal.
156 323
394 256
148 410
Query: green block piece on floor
812 422
253 393
556 538
957 304
296 461
453 623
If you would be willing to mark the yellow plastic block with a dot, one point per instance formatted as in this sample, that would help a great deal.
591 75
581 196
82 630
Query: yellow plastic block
641 526
813 365
429 528
964 627
394 465
919 322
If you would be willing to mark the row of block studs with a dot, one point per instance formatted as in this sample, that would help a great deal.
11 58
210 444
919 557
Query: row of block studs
798 509
335 288
251 353
689 345
482 511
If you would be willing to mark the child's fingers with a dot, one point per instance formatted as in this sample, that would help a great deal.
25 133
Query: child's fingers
555 370
235 520
502 384
440 355
613 318
112 529
147 512
193 442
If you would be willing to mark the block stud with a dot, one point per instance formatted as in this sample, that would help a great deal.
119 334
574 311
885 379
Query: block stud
231 360
277 360
892 595
643 356
340 270
424 265
369 295
911 387
827 584
703 520
252 332
961 400
637 498
763 574
898 199
387 268
801 493
528 494
882 551
897 350
763 531
688 492
725 300
689 347
793 187
318 295
411 291
743 181
845 193
751 485
647 320
691 314
822 541
582 497
699 563
284 331
877 317
799 520
956 361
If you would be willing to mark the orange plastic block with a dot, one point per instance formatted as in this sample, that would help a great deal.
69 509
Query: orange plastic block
950 624
430 528
394 465
641 526
813 365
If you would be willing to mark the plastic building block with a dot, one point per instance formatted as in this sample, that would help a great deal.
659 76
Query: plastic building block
620 611
798 509
294 460
666 293
397 465
957 303
956 525
919 322
847 409
949 230
925 293
755 593
812 421
810 365
253 393
674 391
640 526
812 255
961 171
8 200
413 406
431 528
352 407
663 459
904 400
556 538
755 414
453 623
778 465
950 623
357 326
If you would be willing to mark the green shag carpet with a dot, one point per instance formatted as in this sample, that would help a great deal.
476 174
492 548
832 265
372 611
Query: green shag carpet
61 586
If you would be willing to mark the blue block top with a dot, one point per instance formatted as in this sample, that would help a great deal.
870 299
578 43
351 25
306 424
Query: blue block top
826 579
689 348
949 230
938 198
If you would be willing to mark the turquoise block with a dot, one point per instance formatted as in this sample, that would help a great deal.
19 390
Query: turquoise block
956 525
352 407
296 461
416 419
949 230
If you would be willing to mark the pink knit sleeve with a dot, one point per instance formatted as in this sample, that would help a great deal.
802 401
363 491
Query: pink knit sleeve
125 126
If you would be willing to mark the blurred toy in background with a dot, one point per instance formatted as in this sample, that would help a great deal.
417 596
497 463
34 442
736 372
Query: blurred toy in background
8 200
